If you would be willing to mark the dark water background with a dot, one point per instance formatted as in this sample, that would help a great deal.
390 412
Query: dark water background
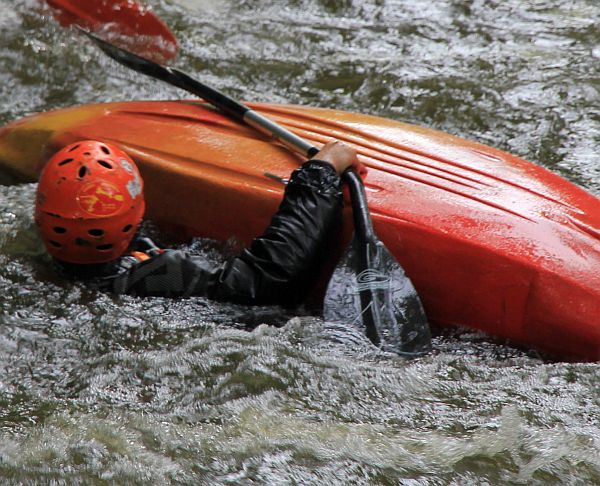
102 390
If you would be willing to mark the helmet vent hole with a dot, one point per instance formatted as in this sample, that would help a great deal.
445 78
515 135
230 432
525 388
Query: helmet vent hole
75 147
105 247
105 149
127 228
82 171
87 153
106 164
65 162
60 230
81 242
55 244
97 233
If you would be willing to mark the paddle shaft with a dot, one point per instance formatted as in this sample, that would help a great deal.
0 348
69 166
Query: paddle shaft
236 110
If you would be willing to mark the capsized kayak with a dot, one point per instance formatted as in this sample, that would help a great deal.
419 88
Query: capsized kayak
491 241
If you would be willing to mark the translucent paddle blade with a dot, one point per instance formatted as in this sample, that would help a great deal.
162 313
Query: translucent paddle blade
369 289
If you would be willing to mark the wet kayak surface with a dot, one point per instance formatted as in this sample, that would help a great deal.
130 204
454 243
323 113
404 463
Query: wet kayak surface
100 389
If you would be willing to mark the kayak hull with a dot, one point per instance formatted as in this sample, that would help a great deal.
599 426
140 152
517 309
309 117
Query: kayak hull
490 241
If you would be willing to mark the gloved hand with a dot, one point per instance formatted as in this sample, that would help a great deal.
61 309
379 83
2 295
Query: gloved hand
341 156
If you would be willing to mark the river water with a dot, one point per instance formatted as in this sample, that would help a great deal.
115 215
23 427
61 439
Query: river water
102 390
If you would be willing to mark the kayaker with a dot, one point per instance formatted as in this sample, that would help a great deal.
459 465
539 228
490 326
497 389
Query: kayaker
90 202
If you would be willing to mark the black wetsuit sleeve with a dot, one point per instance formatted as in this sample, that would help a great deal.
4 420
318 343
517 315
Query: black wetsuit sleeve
278 267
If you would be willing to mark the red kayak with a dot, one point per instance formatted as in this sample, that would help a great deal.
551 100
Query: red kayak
491 242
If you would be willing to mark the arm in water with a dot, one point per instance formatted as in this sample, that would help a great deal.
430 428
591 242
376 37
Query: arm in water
279 267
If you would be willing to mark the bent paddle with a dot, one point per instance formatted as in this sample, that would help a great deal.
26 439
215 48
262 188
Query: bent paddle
369 287
132 24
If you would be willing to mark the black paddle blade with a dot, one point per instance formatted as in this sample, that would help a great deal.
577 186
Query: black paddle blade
369 289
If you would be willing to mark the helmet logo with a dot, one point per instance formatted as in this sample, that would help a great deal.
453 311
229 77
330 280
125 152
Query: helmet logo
134 187
100 199
127 166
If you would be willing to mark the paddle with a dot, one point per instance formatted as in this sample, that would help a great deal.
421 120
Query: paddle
133 25
369 287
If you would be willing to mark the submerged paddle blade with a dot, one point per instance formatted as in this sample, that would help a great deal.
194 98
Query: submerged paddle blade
124 21
378 298
369 288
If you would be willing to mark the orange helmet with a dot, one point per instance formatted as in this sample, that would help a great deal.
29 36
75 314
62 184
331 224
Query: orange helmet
89 203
